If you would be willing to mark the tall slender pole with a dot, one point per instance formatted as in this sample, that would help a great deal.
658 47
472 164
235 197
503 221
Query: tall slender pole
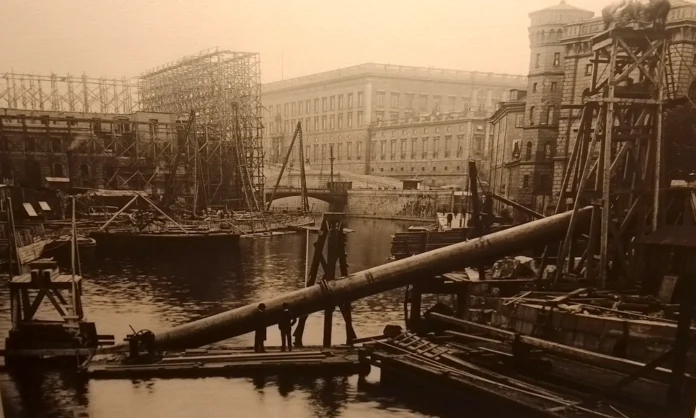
73 246
282 169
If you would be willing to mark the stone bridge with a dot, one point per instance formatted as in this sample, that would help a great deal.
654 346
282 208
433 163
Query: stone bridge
337 199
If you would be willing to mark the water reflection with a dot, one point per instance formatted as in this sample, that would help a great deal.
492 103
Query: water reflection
155 295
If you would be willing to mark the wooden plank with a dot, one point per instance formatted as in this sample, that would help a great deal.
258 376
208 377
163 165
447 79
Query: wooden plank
597 359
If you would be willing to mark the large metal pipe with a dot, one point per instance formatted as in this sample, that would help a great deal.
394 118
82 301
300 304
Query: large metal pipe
368 282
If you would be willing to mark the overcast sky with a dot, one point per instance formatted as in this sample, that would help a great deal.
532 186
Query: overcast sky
116 38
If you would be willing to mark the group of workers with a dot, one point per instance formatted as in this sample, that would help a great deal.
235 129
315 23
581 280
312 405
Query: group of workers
284 324
624 11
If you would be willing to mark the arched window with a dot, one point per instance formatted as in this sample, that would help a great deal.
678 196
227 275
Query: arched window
58 170
549 116
531 115
528 152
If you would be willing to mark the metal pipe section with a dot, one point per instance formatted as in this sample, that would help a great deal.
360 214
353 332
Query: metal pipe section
368 282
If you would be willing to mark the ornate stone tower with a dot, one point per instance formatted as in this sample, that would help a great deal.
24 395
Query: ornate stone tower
534 177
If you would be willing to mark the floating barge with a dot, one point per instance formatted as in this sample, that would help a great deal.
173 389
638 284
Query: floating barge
229 362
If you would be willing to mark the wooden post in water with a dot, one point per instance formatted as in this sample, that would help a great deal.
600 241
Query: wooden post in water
331 231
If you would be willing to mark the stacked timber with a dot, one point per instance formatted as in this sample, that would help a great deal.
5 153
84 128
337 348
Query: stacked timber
406 244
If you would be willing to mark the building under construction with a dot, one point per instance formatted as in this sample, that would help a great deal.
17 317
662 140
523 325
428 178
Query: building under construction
190 129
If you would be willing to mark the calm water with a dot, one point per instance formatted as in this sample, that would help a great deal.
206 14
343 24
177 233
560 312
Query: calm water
152 295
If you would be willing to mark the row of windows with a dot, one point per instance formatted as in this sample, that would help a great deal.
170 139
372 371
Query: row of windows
391 169
424 151
325 104
554 86
448 128
316 153
323 123
556 60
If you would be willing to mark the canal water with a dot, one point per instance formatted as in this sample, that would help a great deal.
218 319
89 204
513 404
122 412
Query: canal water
147 294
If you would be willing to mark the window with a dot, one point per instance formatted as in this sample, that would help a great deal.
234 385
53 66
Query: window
519 120
316 123
358 150
323 123
436 147
588 69
383 149
403 149
316 152
437 101
380 98
278 110
340 102
547 151
350 119
350 100
340 121
286 126
554 86
58 170
448 145
293 108
332 122
307 123
323 152
423 105
452 103
30 144
531 115
395 117
392 149
556 59
395 100
379 115
84 171
307 153
374 150
360 99
287 110
348 150
534 88
549 116
414 145
528 153
299 108
360 119
538 60
339 150
332 103
409 100
525 181
324 105
316 105
308 106
56 145
425 147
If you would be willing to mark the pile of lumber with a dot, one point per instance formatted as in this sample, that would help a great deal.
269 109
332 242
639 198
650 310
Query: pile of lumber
406 244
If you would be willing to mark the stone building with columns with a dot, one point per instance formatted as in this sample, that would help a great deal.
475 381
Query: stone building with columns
346 109
560 71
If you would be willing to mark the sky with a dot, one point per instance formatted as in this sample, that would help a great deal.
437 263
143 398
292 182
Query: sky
117 38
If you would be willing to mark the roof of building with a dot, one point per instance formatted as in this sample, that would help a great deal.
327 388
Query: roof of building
389 70
561 7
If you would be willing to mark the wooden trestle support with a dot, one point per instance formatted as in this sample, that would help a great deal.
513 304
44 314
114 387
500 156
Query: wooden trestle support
615 164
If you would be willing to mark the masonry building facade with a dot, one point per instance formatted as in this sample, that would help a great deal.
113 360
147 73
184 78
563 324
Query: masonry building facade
353 110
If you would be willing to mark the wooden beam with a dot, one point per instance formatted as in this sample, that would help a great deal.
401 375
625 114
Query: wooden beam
561 350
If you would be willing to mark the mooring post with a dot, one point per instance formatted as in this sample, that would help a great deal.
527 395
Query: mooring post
413 322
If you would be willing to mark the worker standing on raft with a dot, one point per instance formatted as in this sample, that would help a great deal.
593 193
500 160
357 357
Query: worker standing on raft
285 324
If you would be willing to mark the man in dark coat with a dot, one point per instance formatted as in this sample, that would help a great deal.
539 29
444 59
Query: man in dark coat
260 335
285 324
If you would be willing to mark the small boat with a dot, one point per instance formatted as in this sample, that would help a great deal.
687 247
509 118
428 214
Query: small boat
172 242
60 249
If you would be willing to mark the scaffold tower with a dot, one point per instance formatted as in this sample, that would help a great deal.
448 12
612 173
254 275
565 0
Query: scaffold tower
223 88
66 93
615 165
